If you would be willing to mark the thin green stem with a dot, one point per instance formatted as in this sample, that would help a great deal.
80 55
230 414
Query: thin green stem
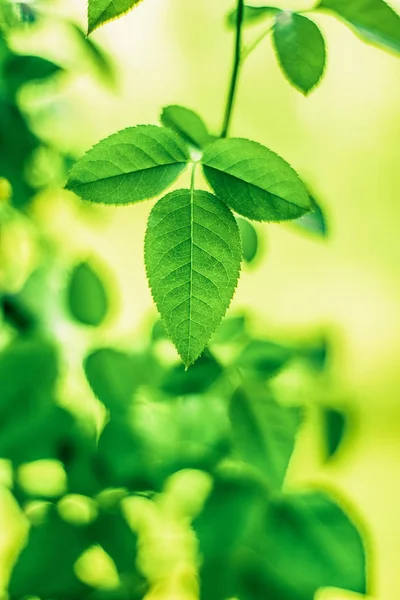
249 49
235 70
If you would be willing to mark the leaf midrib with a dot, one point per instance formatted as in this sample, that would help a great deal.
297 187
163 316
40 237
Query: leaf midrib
128 173
257 187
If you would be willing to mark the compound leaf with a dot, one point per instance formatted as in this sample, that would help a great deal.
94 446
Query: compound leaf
192 254
300 49
187 124
134 164
102 11
373 20
87 297
254 181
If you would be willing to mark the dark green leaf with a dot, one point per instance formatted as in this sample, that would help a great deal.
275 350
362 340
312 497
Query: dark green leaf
249 238
113 377
227 515
87 297
20 69
102 11
308 542
300 48
374 20
264 359
28 373
334 425
314 221
254 181
45 567
252 14
187 124
204 373
132 165
264 432
192 254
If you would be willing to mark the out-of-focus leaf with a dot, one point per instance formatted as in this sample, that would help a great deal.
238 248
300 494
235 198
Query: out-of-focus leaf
252 14
254 181
21 69
264 359
131 165
158 331
249 238
28 373
264 432
97 56
102 11
374 20
300 48
87 296
200 377
16 314
314 221
232 329
334 424
228 514
306 542
192 255
113 377
187 124
45 567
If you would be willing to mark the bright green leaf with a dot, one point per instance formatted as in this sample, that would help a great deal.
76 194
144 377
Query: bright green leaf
374 20
249 238
132 165
264 432
187 124
300 49
254 181
252 14
102 11
231 330
112 376
192 254
87 297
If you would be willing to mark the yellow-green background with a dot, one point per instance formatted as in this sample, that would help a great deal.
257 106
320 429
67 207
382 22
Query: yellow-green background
344 139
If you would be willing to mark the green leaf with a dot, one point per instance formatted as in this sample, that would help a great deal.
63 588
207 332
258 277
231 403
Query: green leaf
192 254
102 11
21 69
263 359
252 14
45 567
228 513
308 542
300 49
314 221
28 374
96 55
112 376
334 425
134 164
249 238
187 124
87 297
254 181
231 330
264 432
373 20
204 373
